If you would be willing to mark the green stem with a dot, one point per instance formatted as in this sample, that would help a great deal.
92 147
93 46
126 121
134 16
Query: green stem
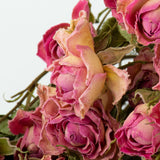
33 101
14 108
129 57
29 89
31 84
99 15
99 26
132 63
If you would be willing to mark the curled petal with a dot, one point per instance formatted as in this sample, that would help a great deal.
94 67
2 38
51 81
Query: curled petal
81 5
117 81
45 92
91 93
91 61
81 35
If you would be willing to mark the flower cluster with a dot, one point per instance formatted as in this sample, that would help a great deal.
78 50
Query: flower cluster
95 106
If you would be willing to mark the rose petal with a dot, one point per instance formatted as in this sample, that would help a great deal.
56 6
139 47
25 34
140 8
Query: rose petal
81 5
81 35
91 93
117 81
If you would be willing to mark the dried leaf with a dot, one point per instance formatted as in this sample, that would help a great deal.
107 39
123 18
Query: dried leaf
148 96
5 147
114 55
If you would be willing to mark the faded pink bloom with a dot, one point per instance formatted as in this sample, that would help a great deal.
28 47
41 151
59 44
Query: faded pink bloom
139 135
79 75
156 63
48 49
29 124
81 5
90 136
2 157
141 17
142 75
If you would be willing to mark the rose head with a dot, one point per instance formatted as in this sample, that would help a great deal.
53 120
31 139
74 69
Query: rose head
142 75
48 49
139 135
141 17
29 124
79 75
90 136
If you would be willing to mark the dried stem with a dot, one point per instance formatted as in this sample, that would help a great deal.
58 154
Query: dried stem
99 26
13 109
132 63
29 90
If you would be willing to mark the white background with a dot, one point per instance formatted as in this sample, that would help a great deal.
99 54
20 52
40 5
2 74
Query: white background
22 24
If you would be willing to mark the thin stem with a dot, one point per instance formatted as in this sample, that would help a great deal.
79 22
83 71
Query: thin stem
129 57
118 106
29 98
99 26
30 89
13 109
31 84
99 15
33 101
132 63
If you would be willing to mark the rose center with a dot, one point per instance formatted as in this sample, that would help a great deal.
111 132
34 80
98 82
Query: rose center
142 133
150 22
65 81
73 136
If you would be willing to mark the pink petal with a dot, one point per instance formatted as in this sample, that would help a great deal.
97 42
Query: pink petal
91 61
90 95
81 5
80 36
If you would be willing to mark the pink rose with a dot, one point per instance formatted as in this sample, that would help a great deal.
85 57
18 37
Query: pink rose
29 124
139 135
90 136
141 17
48 49
79 75
142 75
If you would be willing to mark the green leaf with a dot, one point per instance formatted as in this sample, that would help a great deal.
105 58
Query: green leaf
124 33
109 36
151 97
5 147
113 55
4 130
91 16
